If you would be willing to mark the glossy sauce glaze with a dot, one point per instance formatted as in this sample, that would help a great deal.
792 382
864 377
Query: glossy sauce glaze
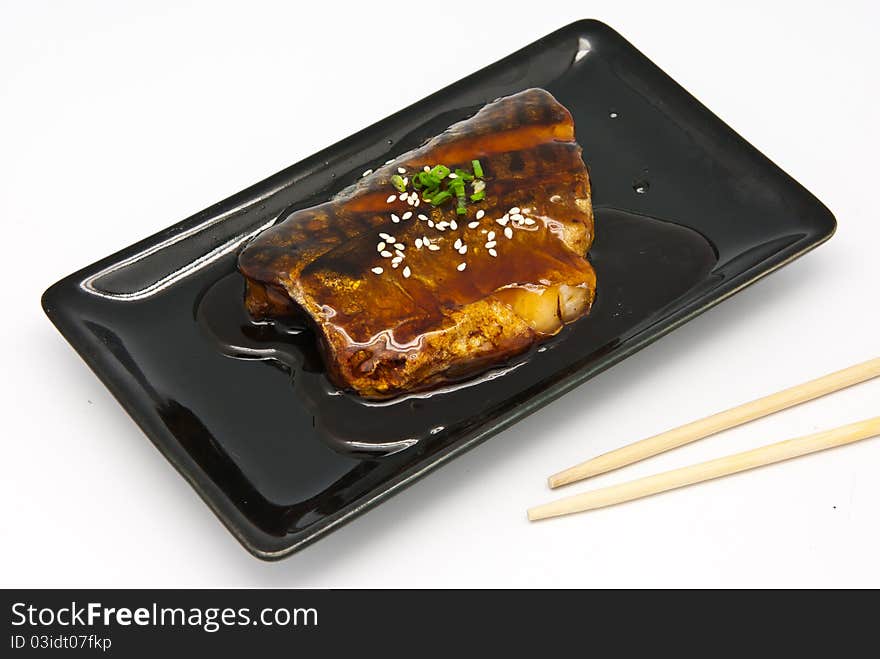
627 247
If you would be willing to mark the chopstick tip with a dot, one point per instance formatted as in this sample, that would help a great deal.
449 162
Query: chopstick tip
542 511
558 480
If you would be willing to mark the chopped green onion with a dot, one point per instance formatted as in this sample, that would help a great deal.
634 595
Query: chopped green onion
457 186
440 171
430 185
429 180
440 197
397 182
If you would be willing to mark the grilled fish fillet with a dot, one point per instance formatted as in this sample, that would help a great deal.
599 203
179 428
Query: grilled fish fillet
419 310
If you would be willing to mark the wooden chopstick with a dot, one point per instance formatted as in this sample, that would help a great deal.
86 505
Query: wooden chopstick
715 423
731 464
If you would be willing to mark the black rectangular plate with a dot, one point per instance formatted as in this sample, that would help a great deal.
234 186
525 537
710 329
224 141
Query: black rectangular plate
687 212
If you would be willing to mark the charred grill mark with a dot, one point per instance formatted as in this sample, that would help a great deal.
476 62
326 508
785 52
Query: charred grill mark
516 163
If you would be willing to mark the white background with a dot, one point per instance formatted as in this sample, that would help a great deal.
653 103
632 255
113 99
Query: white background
119 119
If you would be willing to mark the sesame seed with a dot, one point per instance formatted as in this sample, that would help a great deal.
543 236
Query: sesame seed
516 217
508 233
395 265
453 175
473 225
385 253
380 247
396 259
387 236
399 254
426 240
377 270
461 266
556 199
394 218
430 223
407 272
514 210
491 236
480 214
399 246
367 173
529 221
453 225
407 215
462 249
457 243
390 199
440 226
416 202
401 196
423 218
418 243
433 247
503 220
491 244
492 252
401 170
426 168
405 181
